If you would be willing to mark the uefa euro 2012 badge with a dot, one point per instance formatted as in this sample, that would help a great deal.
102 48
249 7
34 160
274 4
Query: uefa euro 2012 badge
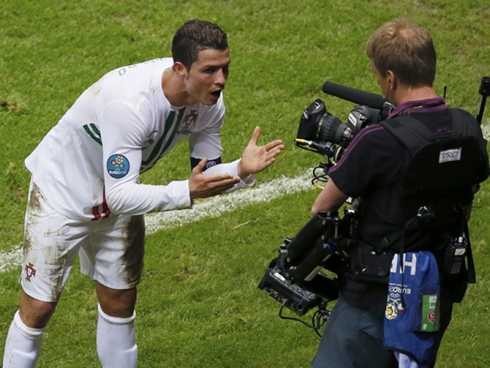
394 303
391 311
117 166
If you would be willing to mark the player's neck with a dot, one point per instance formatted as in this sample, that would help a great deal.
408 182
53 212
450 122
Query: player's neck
174 89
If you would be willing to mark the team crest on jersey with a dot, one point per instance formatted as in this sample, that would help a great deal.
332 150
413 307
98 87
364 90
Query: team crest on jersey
117 166
189 119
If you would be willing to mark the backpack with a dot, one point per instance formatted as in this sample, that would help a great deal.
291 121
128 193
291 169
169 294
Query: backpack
437 189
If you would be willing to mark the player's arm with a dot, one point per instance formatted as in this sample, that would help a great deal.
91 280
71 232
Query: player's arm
123 133
206 149
202 185
254 158
210 176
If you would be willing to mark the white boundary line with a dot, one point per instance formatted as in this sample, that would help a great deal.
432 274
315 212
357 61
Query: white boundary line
216 206
11 259
212 207
485 127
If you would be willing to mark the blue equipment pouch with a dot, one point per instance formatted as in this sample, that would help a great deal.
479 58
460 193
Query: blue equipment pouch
412 309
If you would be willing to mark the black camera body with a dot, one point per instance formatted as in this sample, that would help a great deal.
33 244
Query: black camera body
324 133
297 278
294 297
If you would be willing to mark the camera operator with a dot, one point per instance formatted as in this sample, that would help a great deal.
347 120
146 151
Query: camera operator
403 58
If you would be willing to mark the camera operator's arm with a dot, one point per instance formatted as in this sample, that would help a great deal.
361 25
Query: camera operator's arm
331 198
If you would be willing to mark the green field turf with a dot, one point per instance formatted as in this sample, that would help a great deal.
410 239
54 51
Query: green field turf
199 305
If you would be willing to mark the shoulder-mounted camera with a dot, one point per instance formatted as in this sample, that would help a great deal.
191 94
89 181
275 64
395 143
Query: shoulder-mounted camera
310 267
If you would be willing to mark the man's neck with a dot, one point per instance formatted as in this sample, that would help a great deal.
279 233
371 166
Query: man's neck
414 94
174 89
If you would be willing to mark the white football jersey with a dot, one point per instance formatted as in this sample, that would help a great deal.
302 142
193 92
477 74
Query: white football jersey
118 128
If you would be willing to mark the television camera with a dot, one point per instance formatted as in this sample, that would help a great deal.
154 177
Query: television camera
310 267
321 132
296 278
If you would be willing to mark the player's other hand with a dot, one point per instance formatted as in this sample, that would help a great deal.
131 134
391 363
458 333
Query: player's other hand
207 185
257 158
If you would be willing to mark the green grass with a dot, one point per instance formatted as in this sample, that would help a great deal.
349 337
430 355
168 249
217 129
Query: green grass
199 305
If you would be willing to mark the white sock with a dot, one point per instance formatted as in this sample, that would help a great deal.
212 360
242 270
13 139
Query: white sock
116 341
23 345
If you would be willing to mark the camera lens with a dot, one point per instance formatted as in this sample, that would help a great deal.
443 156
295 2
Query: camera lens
331 129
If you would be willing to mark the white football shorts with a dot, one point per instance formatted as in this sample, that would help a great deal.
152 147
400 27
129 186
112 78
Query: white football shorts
111 249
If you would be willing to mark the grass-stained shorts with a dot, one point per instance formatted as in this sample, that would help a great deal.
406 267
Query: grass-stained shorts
111 249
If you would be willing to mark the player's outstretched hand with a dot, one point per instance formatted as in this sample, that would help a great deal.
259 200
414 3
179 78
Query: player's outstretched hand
207 185
257 158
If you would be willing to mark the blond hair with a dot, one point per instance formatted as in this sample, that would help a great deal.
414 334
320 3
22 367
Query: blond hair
406 49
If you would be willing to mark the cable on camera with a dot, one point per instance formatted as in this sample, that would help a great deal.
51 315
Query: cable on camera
318 319
320 177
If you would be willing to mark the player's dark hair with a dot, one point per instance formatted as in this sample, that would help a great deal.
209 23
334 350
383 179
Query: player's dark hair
194 36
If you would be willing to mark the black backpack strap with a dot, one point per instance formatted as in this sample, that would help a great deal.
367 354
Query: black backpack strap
469 254
413 134
409 132
436 157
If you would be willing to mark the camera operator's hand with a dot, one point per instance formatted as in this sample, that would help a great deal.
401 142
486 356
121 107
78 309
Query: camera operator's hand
257 158
207 185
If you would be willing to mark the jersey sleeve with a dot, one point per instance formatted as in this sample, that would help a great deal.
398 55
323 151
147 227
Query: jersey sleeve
123 131
207 143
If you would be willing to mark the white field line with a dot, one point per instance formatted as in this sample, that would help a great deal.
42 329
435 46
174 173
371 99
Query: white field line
485 127
212 207
10 259
216 206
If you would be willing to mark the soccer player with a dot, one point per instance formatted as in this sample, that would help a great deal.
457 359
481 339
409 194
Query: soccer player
85 197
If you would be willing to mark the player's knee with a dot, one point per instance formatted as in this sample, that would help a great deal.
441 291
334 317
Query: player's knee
35 313
117 303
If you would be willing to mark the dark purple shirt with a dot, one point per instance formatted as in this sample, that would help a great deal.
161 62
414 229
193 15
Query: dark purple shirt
430 105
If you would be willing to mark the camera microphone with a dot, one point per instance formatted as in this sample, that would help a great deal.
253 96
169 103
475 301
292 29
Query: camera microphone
354 95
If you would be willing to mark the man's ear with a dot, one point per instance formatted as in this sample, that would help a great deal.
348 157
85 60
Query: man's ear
392 80
180 69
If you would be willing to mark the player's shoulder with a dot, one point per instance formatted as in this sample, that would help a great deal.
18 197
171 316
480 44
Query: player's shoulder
153 63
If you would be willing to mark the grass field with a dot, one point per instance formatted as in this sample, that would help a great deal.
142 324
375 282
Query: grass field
199 305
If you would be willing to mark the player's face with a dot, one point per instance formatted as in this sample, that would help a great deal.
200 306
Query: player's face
207 76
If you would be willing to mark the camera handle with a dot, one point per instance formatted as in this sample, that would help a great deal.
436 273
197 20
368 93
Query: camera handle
484 92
